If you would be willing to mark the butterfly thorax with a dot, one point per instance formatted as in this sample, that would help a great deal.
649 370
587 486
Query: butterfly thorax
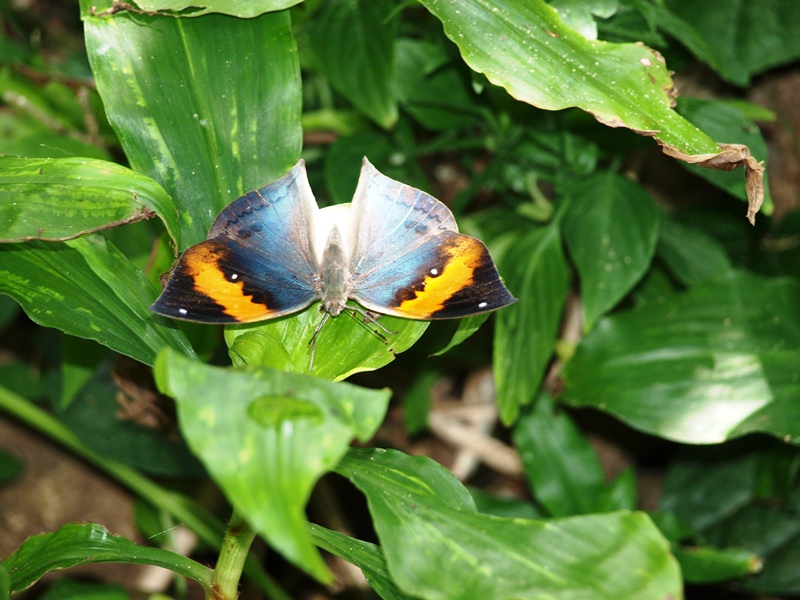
335 275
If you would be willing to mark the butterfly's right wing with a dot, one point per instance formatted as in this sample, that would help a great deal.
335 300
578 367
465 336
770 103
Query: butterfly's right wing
257 263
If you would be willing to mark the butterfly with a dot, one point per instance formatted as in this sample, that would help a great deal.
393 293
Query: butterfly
395 250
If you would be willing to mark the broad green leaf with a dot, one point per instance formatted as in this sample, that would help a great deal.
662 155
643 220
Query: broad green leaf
749 37
438 547
87 288
208 121
729 508
66 589
76 364
579 14
686 33
417 401
620 494
727 123
561 466
59 199
5 583
266 437
436 96
611 230
353 41
465 329
367 557
500 506
340 176
536 272
344 346
704 564
710 364
82 543
27 136
244 9
106 419
691 256
527 49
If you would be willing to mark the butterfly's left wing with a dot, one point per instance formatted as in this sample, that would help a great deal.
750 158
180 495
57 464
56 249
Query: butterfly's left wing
257 263
410 260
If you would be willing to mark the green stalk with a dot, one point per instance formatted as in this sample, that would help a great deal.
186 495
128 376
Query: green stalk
183 509
232 557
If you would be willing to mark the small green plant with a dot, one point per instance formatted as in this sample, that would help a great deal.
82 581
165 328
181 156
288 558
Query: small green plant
682 324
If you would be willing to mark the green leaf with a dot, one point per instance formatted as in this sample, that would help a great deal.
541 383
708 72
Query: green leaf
527 49
191 114
611 230
691 255
730 509
500 506
244 9
417 401
438 547
465 329
536 272
704 366
59 199
344 346
77 361
104 417
5 583
367 557
726 122
353 41
621 493
748 37
87 288
436 96
27 136
562 468
65 589
82 543
579 14
264 452
704 564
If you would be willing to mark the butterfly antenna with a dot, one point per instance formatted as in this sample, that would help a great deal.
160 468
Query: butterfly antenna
312 343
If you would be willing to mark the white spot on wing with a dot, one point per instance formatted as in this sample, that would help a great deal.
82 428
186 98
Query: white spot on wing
483 305
183 311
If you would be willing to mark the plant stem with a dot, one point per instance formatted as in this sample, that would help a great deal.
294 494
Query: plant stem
183 509
232 557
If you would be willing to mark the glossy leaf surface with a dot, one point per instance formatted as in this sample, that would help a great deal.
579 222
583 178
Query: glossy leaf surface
367 557
437 546
353 41
58 199
611 232
704 366
82 543
190 114
535 270
266 436
87 288
527 49
561 466
747 37
345 345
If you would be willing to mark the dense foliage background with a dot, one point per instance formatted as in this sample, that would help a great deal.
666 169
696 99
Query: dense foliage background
636 434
